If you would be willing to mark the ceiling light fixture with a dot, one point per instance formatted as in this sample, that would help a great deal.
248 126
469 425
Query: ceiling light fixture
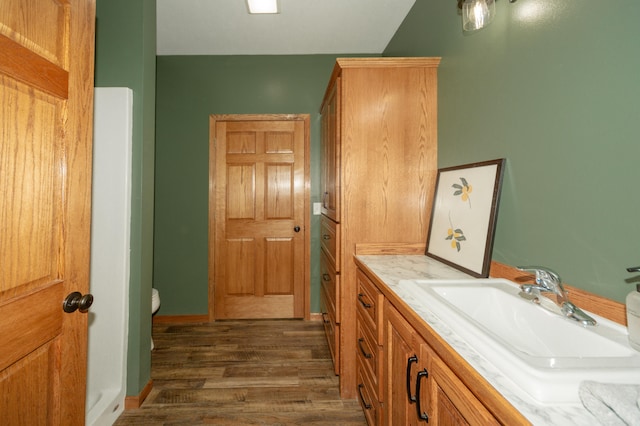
263 6
477 14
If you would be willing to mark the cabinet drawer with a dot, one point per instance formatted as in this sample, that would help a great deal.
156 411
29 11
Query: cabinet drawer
369 355
369 305
330 281
370 404
331 329
329 240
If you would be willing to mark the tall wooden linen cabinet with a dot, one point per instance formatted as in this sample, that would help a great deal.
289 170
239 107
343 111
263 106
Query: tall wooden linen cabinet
379 165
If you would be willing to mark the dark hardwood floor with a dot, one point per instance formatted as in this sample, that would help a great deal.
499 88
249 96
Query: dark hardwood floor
262 372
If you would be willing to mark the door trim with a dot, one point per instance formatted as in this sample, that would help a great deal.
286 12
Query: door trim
307 199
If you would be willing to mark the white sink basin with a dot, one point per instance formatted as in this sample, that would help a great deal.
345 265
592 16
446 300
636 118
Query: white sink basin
544 354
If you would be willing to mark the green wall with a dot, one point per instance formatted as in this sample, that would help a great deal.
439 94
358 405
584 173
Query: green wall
125 57
553 86
189 90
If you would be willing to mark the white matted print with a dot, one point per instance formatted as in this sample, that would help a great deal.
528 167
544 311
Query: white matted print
464 214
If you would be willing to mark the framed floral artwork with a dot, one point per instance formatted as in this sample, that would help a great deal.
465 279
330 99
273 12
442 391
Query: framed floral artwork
463 218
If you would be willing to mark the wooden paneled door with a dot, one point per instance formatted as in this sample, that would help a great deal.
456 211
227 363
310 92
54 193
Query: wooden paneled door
258 216
46 112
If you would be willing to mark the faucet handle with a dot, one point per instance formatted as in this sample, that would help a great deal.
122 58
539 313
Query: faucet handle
543 275
634 269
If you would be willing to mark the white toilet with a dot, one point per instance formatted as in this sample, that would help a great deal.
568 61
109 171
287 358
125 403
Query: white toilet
155 305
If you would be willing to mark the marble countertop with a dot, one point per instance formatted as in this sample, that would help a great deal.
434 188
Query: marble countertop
391 269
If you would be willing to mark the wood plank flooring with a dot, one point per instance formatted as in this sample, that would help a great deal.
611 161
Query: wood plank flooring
248 372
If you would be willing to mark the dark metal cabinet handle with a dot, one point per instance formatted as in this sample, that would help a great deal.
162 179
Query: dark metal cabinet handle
366 405
421 415
326 236
364 353
326 277
410 360
364 304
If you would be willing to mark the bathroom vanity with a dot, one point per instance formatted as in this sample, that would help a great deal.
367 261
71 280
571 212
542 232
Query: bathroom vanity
411 365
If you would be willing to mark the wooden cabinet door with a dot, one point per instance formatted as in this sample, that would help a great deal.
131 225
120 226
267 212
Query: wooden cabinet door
406 370
258 178
46 112
455 405
330 139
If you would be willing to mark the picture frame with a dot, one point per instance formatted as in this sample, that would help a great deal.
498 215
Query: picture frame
464 214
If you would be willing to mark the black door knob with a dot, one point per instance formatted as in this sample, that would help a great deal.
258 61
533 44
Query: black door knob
76 301
297 229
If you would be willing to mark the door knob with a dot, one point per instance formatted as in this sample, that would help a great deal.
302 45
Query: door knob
297 229
76 301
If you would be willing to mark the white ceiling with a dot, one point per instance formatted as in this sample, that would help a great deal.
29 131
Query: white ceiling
224 27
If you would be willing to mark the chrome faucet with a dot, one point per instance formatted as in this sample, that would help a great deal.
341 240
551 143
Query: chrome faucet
548 281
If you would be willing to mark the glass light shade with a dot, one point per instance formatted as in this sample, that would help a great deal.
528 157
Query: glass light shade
477 14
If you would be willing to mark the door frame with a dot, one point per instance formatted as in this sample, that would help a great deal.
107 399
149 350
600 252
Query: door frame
213 118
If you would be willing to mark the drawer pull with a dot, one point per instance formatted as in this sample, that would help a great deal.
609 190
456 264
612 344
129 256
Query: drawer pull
364 353
421 415
410 360
326 237
366 405
326 277
365 304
